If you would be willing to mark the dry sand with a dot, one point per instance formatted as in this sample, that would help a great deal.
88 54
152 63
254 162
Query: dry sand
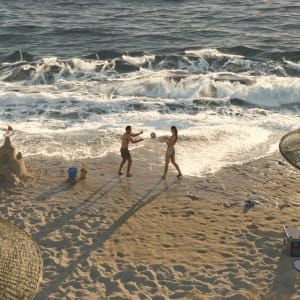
111 237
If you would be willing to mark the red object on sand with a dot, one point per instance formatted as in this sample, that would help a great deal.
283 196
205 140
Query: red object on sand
9 128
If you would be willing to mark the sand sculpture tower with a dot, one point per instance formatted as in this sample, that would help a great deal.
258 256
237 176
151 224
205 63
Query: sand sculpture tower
12 166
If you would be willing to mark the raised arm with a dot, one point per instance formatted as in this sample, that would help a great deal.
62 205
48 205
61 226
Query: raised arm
170 141
166 139
136 134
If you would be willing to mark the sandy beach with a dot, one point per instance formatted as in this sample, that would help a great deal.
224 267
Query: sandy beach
74 75
112 237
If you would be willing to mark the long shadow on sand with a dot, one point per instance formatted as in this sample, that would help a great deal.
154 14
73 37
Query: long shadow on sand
64 186
102 237
64 219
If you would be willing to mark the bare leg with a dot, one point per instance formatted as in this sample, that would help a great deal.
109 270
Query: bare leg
166 166
121 166
128 167
176 165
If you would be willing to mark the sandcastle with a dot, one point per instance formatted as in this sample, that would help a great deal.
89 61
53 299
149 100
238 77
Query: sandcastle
12 166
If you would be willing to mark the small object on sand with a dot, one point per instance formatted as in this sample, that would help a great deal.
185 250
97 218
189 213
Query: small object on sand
249 204
9 131
153 135
292 240
230 203
72 174
83 171
296 264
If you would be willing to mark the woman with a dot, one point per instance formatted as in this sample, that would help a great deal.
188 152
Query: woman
170 153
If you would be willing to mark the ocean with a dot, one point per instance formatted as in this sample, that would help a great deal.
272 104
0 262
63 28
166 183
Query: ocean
74 74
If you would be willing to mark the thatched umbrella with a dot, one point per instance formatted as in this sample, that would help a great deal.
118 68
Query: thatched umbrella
289 147
20 263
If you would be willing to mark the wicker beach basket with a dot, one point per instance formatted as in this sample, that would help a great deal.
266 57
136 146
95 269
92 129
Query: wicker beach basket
20 263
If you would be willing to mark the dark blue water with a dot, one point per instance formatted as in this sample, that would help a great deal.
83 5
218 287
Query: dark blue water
82 27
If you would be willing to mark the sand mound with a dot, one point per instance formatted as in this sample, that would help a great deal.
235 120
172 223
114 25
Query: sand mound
13 171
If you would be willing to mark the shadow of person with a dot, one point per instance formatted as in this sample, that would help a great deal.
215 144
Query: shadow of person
108 186
102 236
64 186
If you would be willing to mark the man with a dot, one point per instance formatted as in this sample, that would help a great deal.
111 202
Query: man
126 139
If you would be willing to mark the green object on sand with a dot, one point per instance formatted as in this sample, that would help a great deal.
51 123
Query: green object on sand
289 147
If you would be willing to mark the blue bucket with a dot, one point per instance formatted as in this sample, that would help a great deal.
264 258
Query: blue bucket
72 173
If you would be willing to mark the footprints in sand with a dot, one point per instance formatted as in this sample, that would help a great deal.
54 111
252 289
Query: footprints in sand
145 281
188 213
222 247
252 226
199 236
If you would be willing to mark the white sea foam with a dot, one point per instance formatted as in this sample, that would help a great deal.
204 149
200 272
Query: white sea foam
207 141
218 146
210 52
138 60
293 65
266 91
82 114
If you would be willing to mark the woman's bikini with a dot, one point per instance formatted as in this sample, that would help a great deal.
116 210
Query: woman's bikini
171 151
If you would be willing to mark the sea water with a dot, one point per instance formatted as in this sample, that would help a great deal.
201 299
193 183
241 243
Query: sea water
74 74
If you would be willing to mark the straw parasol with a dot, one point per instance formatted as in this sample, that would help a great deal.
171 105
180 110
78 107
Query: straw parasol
289 147
20 263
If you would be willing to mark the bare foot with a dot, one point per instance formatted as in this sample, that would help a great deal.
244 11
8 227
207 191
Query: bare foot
179 175
163 177
129 175
120 173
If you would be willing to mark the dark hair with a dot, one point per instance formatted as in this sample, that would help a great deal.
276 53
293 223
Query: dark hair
175 129
128 128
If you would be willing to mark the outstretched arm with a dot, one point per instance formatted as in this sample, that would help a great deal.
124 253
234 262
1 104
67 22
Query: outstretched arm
136 134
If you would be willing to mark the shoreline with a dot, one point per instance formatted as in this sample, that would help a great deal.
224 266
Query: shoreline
146 238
